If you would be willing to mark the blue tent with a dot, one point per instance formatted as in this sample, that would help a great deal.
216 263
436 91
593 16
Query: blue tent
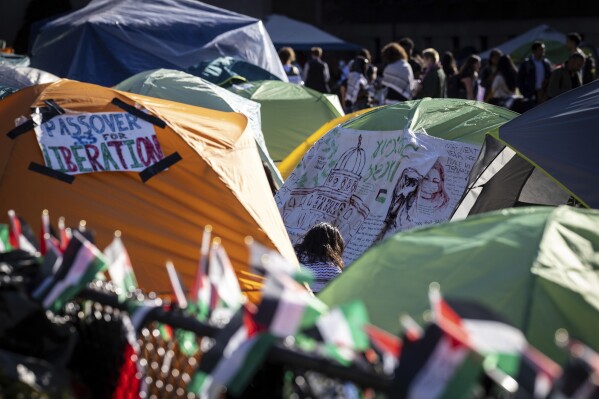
109 41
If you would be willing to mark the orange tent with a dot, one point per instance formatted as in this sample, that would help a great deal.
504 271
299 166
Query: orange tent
219 181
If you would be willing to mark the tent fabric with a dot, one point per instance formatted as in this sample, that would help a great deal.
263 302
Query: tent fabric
450 119
19 77
559 137
108 41
219 181
536 266
292 160
188 89
519 47
394 168
301 36
290 112
501 178
225 71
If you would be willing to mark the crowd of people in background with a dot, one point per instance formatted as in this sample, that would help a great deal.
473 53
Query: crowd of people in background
405 74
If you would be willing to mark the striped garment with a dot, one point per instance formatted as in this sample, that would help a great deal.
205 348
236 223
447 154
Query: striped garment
399 77
322 271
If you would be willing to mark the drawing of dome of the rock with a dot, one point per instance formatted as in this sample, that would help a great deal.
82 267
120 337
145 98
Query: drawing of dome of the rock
347 172
333 201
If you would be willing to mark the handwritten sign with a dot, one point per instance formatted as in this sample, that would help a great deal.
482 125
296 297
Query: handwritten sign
98 142
373 184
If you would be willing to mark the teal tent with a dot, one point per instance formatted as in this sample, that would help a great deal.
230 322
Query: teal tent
536 266
290 112
225 71
188 89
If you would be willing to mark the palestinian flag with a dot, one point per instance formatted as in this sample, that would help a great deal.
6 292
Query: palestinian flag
80 264
269 263
580 379
225 291
537 373
504 347
438 365
20 234
238 351
47 240
120 269
5 245
287 307
386 346
64 234
201 292
343 326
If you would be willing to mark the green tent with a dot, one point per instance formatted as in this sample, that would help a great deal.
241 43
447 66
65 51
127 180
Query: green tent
537 266
448 118
184 88
290 112
225 71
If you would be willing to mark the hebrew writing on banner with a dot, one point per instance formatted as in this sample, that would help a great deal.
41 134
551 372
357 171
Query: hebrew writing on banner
372 184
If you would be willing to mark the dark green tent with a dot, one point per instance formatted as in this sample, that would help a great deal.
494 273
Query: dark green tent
536 266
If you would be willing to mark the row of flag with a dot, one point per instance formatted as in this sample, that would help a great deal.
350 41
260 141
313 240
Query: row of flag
463 343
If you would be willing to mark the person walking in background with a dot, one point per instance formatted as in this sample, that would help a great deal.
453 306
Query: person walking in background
357 93
433 79
449 65
465 83
316 72
503 90
587 73
287 57
321 253
566 77
487 74
397 75
533 74
408 45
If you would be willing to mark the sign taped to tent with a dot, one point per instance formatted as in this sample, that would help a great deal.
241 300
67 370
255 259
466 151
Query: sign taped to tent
98 142
372 184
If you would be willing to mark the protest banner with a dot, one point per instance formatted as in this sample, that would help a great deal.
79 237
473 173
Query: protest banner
98 142
371 184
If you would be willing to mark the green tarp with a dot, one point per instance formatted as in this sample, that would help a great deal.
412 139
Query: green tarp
538 267
290 112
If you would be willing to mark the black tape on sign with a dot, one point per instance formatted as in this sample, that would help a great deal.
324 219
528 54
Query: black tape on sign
21 129
54 107
159 166
140 114
44 170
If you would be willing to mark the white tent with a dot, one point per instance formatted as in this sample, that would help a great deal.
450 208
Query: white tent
285 31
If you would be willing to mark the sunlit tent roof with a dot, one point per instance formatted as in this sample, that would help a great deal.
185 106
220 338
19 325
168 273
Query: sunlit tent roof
536 266
188 89
290 112
19 77
218 181
109 41
299 35
225 71
519 47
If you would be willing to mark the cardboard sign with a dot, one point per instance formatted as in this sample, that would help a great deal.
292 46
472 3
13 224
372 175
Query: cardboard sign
372 184
98 142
